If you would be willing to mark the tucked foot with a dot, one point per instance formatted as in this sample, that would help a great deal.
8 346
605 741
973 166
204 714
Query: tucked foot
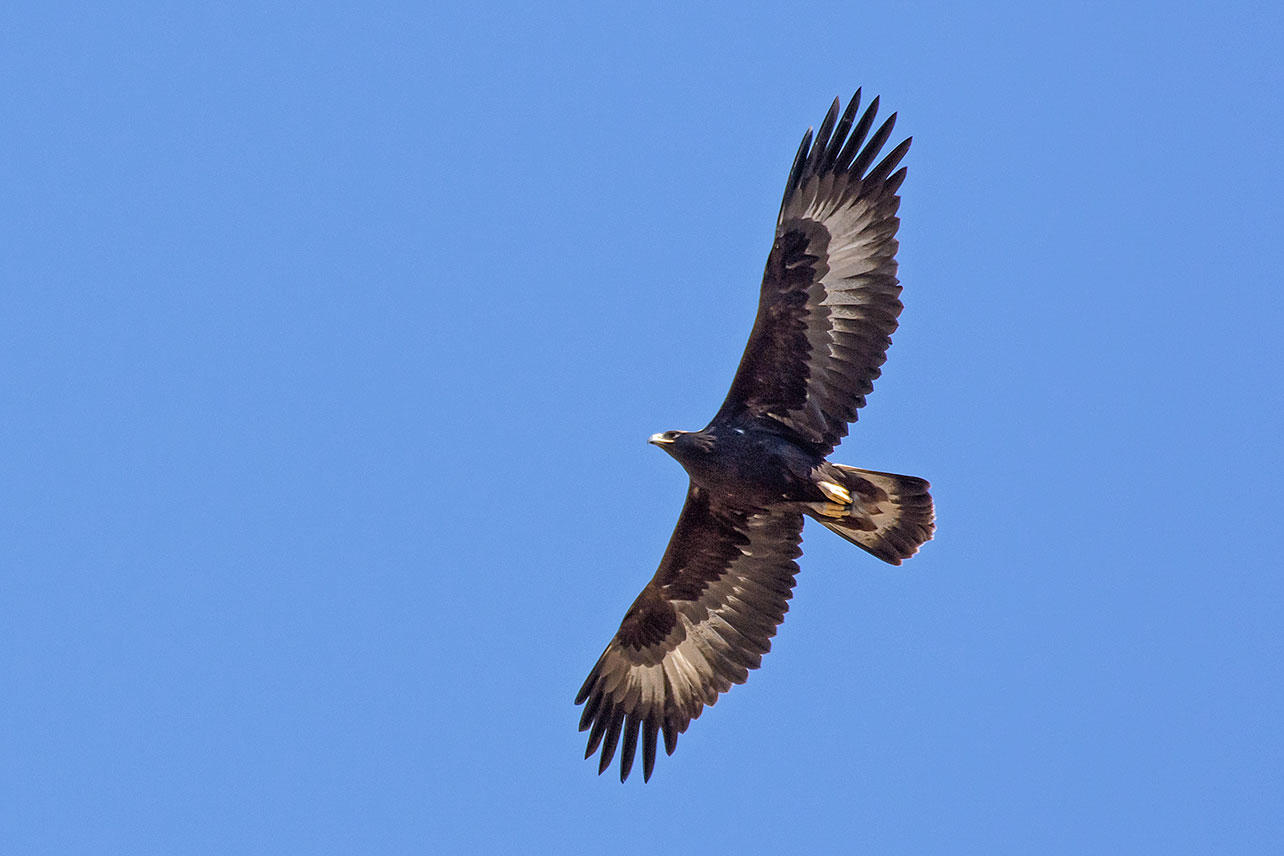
835 510
834 493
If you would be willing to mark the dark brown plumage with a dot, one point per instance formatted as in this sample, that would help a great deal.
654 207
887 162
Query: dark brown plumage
828 306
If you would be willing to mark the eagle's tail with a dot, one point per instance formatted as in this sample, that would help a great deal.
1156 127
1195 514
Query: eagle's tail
889 516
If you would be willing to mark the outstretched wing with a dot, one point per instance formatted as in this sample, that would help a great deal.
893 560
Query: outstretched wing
830 297
698 627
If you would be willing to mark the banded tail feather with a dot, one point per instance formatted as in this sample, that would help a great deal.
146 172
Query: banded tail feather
890 515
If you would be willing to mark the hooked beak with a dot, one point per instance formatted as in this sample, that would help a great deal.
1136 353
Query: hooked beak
660 440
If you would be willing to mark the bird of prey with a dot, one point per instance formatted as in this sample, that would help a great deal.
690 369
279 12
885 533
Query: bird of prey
828 306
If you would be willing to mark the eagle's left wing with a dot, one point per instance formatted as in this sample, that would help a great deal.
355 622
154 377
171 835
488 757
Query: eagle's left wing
698 627
830 298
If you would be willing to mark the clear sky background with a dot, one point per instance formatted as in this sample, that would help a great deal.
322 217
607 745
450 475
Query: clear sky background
332 336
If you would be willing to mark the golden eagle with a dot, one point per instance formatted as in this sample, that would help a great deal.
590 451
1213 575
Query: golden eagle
827 309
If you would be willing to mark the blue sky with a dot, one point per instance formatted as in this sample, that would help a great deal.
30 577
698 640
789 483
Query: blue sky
332 338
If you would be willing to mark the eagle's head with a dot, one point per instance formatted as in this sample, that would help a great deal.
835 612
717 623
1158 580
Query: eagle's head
683 445
666 438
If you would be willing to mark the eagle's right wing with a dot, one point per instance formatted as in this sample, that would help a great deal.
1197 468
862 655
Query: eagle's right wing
698 627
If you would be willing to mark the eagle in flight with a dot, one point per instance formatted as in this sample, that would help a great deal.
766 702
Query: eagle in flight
827 309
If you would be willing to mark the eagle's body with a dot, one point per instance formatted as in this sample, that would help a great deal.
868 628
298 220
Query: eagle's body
760 468
828 306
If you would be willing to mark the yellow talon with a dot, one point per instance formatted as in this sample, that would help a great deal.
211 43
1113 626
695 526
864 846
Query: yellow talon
835 492
830 509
